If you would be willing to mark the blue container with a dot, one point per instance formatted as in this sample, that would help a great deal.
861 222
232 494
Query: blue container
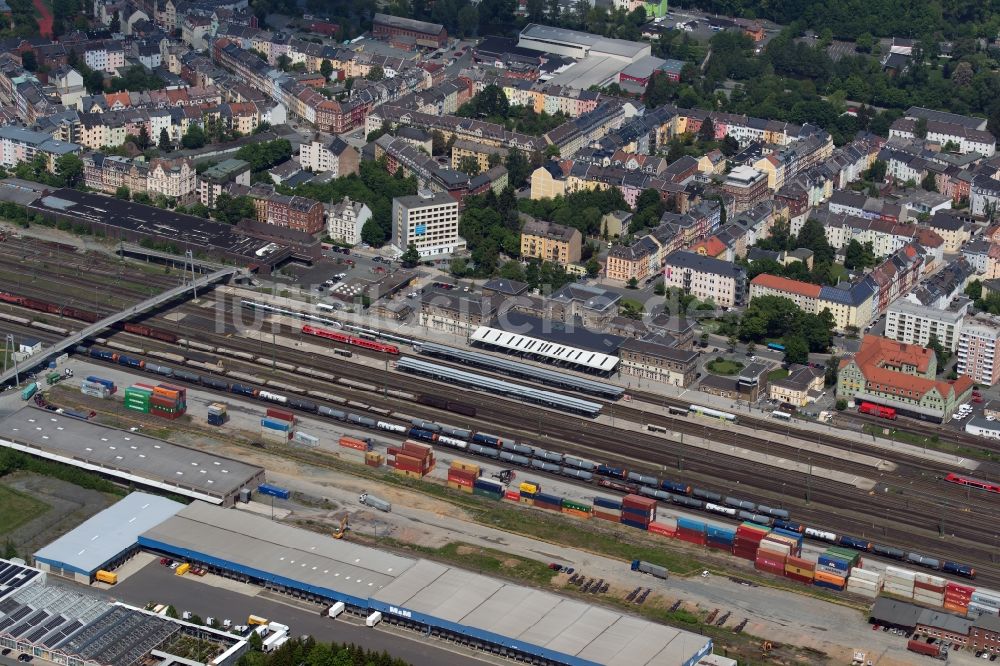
275 424
273 491
834 562
725 543
829 586
635 523
549 499
242 389
641 513
721 533
788 533
689 524
488 484
607 503
103 382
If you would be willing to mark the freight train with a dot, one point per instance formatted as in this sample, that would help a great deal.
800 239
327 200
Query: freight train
348 339
51 308
506 450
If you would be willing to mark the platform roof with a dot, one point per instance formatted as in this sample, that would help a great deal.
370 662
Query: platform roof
517 369
552 351
499 387
126 455
527 619
111 532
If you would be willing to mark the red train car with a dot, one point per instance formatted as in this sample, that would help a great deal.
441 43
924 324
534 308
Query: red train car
348 339
150 332
878 410
82 315
972 482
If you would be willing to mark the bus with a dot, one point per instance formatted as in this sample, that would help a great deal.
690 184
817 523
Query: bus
781 416
775 346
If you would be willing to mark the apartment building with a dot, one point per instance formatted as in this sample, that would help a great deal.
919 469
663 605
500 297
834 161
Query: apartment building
216 179
345 220
173 178
720 282
335 156
903 377
977 348
953 228
653 359
551 242
803 294
427 220
19 145
911 322
637 261
748 187
289 212
107 173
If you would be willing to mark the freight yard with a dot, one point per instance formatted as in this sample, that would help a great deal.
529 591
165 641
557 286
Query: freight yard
297 387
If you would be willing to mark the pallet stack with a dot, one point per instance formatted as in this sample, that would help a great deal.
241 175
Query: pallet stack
462 475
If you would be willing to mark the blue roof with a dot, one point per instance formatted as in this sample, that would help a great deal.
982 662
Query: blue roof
853 295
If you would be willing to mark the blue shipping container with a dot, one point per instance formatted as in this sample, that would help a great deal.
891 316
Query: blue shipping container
550 499
607 503
829 586
488 484
274 424
103 382
634 523
788 533
689 524
721 533
273 491
834 562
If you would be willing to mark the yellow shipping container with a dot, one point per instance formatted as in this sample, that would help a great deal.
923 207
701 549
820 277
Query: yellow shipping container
458 486
799 571
466 466
526 487
107 577
530 501
408 473
182 569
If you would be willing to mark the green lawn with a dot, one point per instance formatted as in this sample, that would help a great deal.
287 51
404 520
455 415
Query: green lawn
17 508
721 366
933 442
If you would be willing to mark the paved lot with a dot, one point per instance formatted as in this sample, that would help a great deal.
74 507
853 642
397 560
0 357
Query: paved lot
155 582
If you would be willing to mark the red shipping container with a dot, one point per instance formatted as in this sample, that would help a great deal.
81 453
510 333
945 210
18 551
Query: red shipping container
460 481
281 414
697 538
461 474
410 445
927 586
801 563
639 502
958 588
549 506
406 462
352 443
720 546
610 517
767 557
799 578
512 495
660 528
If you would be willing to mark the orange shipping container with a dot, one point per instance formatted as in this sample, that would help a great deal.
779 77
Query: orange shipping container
830 578
351 443
956 608
801 563
575 512
166 392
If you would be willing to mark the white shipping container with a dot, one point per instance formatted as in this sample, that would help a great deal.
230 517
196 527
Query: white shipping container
978 609
896 572
985 598
96 393
928 579
775 547
899 591
305 438
854 582
866 575
863 591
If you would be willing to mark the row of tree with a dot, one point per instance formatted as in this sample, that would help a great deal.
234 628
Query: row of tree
309 652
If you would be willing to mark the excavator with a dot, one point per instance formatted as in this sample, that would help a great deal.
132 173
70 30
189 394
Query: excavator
342 530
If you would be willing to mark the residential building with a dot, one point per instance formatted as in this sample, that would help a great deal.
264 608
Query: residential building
107 173
427 220
802 386
637 261
289 212
748 187
966 139
345 220
335 156
953 228
900 376
173 178
712 280
978 345
913 323
477 151
213 181
594 306
551 242
804 294
19 145
454 313
651 359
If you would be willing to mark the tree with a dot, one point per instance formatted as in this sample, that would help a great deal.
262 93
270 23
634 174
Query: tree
164 142
974 290
729 146
593 267
469 165
142 141
812 235
326 69
230 209
256 642
69 167
411 257
493 160
877 171
459 267
372 233
116 24
171 612
832 368
284 62
796 350
376 73
920 128
28 61
123 193
438 143
194 138
942 354
633 283
841 405
858 256
929 182
535 10
962 74
9 549
518 168
707 130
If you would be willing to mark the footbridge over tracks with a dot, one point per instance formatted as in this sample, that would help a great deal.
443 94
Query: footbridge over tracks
124 315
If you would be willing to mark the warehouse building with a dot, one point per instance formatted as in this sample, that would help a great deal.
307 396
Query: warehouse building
576 44
128 457
106 540
502 618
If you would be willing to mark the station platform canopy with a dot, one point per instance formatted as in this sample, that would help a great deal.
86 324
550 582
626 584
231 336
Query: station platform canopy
551 351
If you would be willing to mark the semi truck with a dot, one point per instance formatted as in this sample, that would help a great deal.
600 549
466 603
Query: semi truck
929 649
374 502
651 569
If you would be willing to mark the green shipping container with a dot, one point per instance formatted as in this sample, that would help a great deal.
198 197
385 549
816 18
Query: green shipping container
579 506
52 377
485 493
137 408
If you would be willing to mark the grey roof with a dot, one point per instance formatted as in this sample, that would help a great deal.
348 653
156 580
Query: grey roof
418 201
106 535
125 454
653 348
702 264
618 47
895 613
852 295
987 622
409 24
968 122
946 621
226 169
506 287
39 140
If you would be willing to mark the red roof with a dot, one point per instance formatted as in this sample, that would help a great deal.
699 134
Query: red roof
787 285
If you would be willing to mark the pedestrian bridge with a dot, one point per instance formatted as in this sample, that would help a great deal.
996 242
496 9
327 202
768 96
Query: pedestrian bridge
124 315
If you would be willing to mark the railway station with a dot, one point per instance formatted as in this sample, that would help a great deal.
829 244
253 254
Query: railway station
492 615
128 457
557 353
